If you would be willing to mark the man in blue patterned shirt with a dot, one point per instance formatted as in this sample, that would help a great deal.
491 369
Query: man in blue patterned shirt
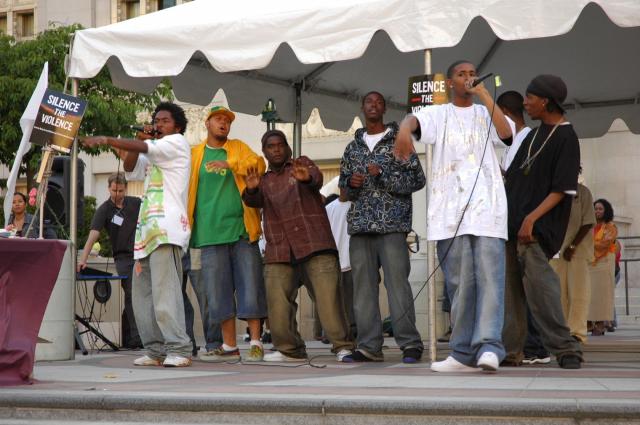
380 188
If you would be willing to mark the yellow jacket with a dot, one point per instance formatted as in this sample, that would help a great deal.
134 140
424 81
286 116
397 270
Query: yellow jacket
240 157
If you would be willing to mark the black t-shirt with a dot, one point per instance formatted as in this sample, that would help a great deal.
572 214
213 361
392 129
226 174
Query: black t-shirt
122 236
555 169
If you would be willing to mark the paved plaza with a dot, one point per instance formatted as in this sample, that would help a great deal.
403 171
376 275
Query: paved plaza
104 387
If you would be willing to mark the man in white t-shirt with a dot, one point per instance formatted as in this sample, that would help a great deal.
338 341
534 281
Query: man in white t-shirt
162 233
467 214
337 212
511 104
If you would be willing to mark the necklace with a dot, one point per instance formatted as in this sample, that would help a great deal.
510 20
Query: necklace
529 160
461 126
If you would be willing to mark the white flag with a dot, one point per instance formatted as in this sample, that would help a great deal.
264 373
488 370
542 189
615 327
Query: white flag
26 124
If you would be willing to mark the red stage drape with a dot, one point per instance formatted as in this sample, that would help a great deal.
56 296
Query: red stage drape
28 272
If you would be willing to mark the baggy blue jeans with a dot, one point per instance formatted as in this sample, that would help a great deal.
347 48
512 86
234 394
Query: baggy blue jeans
231 276
368 253
474 268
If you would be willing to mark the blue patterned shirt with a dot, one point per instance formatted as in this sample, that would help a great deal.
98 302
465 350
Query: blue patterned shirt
383 204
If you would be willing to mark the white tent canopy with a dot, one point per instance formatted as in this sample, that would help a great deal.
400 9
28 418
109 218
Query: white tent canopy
328 53
334 51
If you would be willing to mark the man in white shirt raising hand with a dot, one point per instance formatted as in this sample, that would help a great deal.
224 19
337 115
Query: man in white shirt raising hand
467 214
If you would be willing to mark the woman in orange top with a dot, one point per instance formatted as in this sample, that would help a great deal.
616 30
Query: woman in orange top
603 267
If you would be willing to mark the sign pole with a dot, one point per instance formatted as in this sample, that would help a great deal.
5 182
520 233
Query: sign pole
431 248
42 179
73 210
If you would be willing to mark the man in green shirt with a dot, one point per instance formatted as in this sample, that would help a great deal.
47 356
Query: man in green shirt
227 232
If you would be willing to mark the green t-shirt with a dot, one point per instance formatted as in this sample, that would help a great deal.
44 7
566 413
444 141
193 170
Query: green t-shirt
219 213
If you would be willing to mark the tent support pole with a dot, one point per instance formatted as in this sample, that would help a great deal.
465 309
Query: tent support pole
431 247
297 127
73 210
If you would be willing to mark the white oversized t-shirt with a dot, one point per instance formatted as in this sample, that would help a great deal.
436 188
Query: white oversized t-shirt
458 136
163 214
511 151
337 213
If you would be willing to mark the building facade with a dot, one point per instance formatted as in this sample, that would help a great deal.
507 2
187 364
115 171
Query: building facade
23 19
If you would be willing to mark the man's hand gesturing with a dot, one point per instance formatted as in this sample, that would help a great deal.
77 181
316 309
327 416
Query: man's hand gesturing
252 178
300 171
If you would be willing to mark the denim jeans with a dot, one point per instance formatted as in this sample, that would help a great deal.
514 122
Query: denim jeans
282 282
531 282
474 271
368 253
533 346
232 278
158 303
212 331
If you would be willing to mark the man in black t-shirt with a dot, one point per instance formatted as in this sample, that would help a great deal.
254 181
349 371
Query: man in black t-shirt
540 183
119 215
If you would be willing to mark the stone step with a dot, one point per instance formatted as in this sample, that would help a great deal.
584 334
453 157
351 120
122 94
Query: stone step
323 411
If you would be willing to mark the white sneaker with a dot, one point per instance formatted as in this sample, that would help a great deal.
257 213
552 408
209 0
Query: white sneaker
345 356
452 365
173 360
488 361
147 361
277 356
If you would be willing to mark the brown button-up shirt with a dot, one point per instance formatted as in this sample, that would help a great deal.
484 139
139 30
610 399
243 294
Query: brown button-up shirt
294 219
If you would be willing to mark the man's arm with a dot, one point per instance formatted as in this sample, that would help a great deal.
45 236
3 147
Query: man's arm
347 180
403 178
246 158
93 237
305 171
252 194
133 147
499 120
571 249
403 146
525 234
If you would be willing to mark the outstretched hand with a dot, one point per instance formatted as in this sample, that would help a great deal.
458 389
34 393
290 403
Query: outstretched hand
93 141
300 171
252 179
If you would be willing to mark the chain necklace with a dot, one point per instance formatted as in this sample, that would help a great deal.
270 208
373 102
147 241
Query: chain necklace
461 126
529 160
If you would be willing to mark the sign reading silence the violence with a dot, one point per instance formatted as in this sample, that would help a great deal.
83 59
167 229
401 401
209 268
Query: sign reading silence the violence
58 120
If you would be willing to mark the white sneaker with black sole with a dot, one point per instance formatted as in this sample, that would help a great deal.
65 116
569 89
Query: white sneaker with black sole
536 360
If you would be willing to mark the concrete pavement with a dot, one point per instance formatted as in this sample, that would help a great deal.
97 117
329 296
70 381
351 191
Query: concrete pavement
106 388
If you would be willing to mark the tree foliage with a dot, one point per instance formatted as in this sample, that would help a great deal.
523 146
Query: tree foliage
109 110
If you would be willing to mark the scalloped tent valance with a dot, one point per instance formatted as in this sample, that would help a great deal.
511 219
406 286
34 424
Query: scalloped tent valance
337 50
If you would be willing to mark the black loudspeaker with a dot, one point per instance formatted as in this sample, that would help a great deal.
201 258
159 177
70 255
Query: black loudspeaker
102 291
58 203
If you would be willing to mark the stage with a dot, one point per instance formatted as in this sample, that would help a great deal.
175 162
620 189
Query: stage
105 388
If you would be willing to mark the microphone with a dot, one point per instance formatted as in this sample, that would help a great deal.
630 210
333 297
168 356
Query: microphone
140 128
481 79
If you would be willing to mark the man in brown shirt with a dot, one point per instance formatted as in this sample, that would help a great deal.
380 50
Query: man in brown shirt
572 264
299 240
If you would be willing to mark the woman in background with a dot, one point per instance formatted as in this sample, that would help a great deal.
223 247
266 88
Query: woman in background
603 268
20 220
